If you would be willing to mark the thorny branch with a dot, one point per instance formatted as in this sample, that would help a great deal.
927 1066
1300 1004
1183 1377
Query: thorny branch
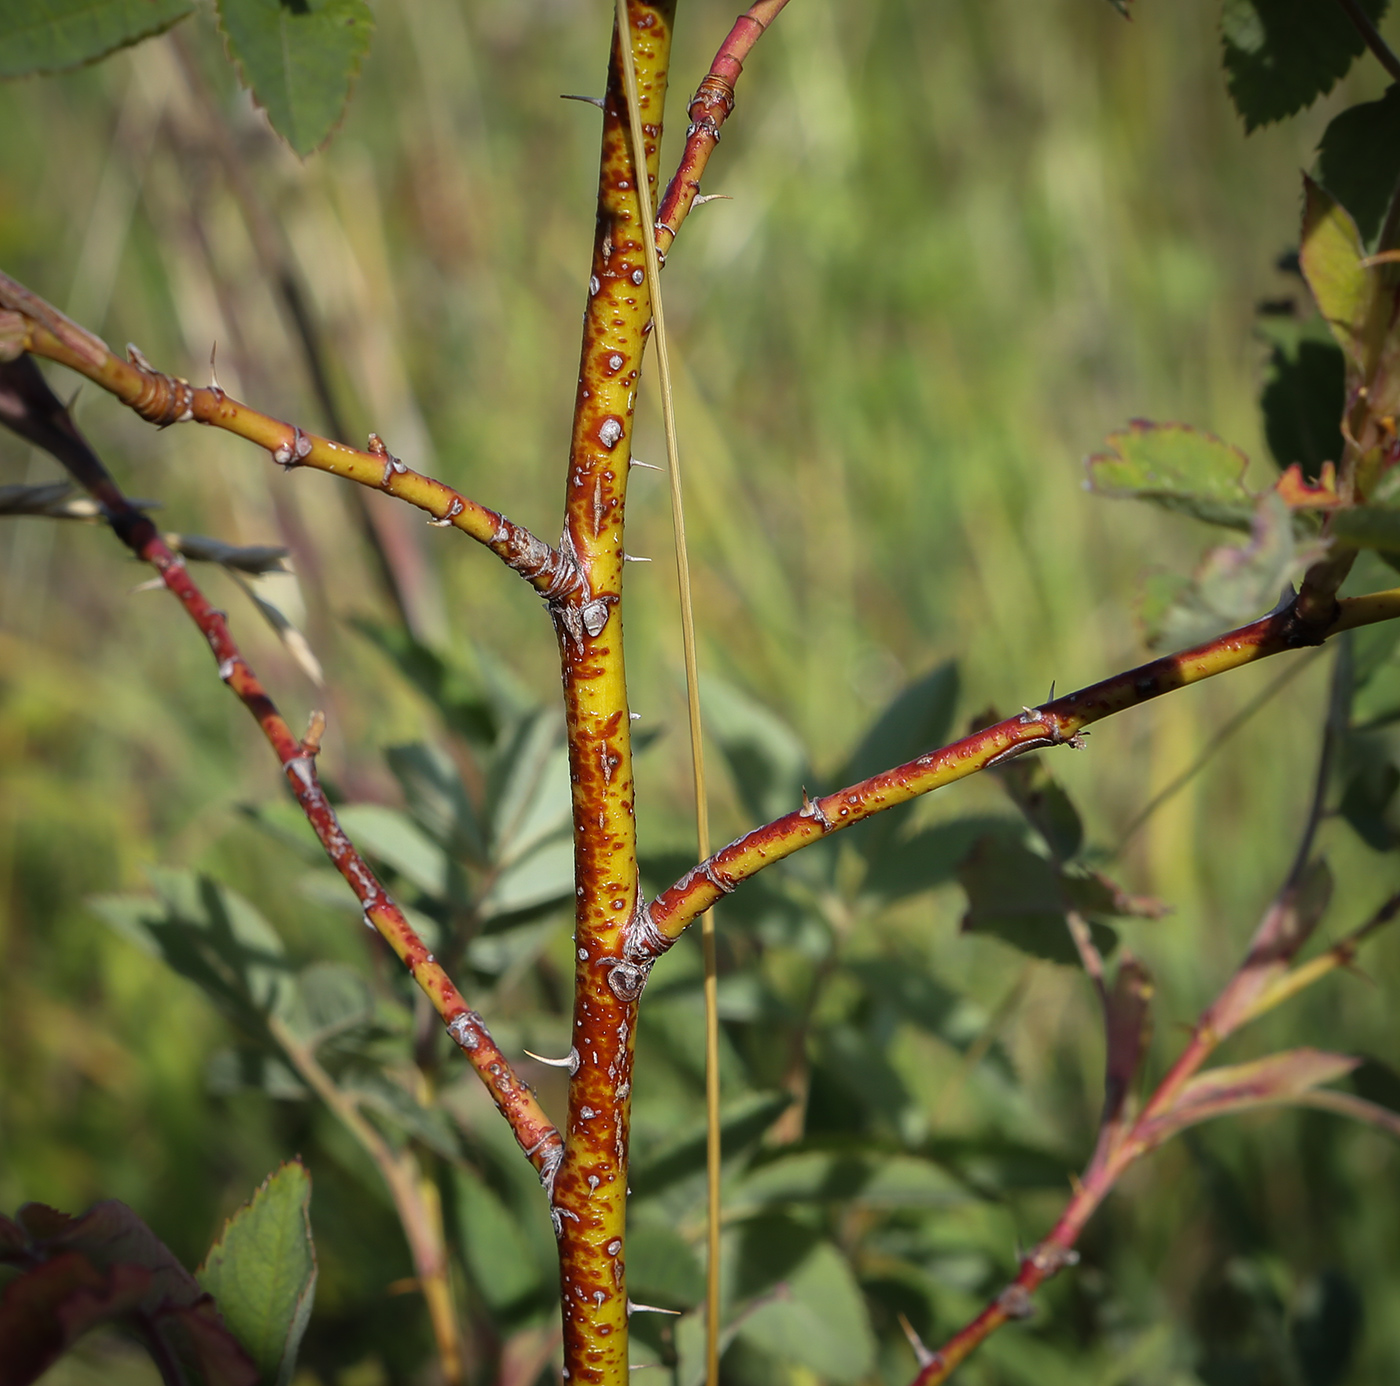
710 107
28 323
1058 723
31 409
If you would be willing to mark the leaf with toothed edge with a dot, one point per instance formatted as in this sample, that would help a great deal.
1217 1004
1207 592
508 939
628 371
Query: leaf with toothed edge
299 58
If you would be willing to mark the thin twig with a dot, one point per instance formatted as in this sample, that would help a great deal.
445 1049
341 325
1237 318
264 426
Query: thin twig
1057 723
1385 55
163 399
713 1154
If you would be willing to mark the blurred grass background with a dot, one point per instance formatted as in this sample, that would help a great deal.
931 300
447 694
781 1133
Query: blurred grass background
967 239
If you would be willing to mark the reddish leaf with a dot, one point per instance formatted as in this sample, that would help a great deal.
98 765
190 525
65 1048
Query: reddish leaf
1127 1024
1285 1077
1299 494
47 1309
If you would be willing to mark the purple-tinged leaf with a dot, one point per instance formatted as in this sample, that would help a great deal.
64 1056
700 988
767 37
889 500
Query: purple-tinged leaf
1286 927
47 1309
1286 1077
1127 1026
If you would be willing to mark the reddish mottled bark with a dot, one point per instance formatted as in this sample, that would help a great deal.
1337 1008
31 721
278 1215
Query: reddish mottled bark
591 1188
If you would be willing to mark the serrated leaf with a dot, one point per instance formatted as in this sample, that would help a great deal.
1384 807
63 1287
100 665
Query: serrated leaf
1358 161
1281 55
1046 806
262 1272
50 35
1302 402
1177 467
299 58
1234 1088
817 1319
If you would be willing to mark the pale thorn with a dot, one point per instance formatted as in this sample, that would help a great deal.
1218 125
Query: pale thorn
649 466
566 1062
591 100
151 585
213 374
642 1366
635 716
633 1308
922 1355
702 198
632 558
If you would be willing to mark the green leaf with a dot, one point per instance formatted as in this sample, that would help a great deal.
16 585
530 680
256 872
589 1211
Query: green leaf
495 1249
1177 467
212 936
1330 256
1281 55
330 999
262 1272
437 798
1022 899
924 859
396 840
49 35
543 878
1326 1330
1366 802
662 1269
851 1177
527 793
1369 527
817 1318
1235 584
1359 160
299 58
918 720
741 1125
1046 806
1302 402
767 761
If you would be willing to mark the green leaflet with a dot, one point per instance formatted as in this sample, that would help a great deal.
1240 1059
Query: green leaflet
262 1272
1359 160
1177 467
1281 55
49 35
299 58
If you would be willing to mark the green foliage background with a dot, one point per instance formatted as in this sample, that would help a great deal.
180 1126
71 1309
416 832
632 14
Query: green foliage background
968 239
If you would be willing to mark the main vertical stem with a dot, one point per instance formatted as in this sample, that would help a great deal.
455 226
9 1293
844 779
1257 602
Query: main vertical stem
590 1187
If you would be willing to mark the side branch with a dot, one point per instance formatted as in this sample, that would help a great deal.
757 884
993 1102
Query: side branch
29 407
709 109
1056 724
28 323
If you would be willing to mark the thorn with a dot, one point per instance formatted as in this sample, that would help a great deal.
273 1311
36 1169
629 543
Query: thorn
73 398
922 1355
702 198
569 1061
213 374
635 716
315 729
1051 698
632 558
153 585
648 1309
590 100
650 466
